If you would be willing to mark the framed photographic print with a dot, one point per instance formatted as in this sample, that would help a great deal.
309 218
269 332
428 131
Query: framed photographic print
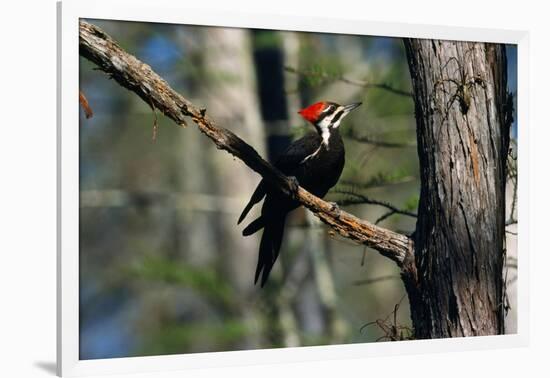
239 190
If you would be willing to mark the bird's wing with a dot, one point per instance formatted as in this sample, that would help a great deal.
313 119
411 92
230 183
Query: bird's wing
297 153
287 163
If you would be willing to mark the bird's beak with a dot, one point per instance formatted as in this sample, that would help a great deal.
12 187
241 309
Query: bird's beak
350 107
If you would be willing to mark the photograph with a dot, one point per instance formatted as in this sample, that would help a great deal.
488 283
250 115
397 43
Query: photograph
244 189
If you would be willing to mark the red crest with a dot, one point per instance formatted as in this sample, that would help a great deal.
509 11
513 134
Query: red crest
312 112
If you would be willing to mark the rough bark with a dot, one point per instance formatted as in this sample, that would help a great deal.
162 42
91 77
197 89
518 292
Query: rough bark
129 72
463 133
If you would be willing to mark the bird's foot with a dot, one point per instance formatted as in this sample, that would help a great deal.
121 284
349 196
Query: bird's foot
335 208
294 184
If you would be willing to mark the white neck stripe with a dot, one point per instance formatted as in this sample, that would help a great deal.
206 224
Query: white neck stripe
325 134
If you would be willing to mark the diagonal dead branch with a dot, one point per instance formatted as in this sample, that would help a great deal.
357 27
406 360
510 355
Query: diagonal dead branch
138 77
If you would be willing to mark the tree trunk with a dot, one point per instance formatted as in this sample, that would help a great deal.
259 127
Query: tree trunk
229 91
455 285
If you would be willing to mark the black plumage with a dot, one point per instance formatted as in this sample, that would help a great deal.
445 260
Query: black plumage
317 167
316 161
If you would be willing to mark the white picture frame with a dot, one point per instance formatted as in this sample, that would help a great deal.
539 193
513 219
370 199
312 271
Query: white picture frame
69 13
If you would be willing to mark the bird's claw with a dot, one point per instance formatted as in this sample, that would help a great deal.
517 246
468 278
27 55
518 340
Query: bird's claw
335 208
294 184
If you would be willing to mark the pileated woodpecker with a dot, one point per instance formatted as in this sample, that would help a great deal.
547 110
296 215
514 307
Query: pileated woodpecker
316 162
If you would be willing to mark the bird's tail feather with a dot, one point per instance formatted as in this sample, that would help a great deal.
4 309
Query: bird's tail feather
257 196
269 248
254 226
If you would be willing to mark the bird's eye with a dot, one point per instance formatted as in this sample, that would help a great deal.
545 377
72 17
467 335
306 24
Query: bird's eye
330 108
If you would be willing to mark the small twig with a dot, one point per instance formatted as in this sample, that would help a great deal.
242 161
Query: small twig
385 216
351 134
155 123
513 176
85 105
375 280
364 256
377 182
392 331
506 300
343 79
513 265
360 199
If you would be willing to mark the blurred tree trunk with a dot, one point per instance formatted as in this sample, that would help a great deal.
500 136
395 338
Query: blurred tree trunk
226 87
335 327
316 303
269 58
229 92
194 240
463 122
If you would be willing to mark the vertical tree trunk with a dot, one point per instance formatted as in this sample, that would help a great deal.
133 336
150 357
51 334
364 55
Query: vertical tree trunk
228 90
269 59
455 284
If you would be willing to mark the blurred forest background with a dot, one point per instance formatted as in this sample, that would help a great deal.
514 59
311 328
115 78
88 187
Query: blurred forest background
163 266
